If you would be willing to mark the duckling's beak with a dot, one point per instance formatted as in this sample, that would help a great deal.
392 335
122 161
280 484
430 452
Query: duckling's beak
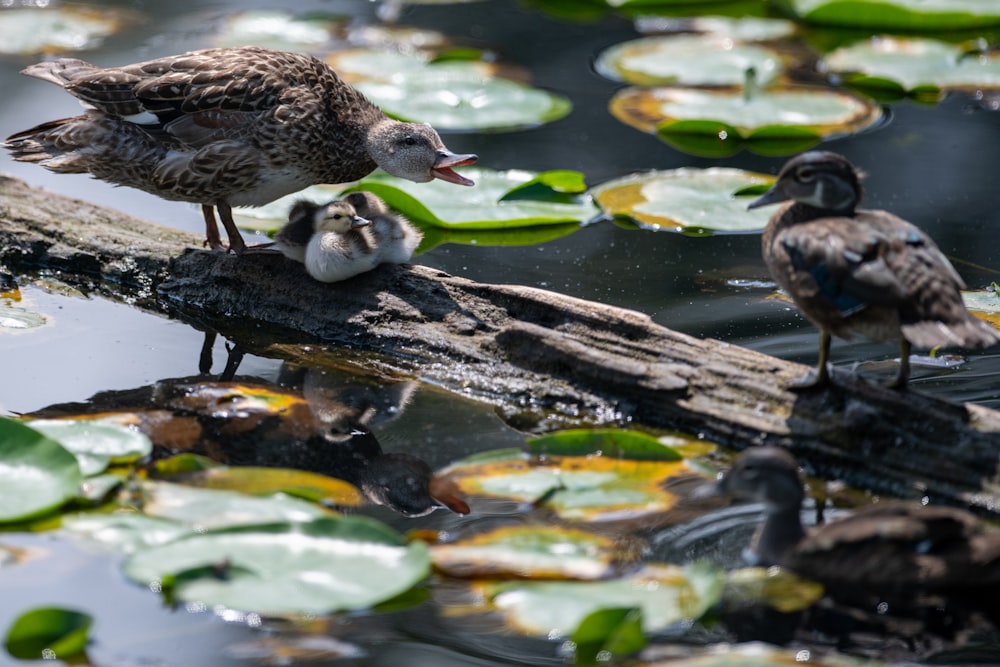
446 160
772 196
358 221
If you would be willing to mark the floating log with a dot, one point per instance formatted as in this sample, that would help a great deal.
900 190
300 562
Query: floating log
542 358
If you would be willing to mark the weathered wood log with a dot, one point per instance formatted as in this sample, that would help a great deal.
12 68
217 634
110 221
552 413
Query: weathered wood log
542 358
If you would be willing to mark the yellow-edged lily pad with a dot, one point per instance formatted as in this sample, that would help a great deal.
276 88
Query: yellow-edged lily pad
690 60
898 14
687 200
265 481
530 552
984 304
915 65
776 587
579 488
717 122
58 29
666 594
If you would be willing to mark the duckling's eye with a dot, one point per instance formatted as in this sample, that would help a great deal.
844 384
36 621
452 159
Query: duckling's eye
338 216
806 174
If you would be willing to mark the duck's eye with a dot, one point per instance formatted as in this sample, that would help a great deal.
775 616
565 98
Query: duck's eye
409 141
806 174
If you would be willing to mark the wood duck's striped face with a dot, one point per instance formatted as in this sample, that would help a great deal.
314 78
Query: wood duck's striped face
821 179
765 474
338 216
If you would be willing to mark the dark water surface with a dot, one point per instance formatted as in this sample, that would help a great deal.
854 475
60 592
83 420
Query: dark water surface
936 166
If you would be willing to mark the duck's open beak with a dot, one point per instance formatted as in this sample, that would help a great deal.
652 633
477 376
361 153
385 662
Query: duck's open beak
358 221
446 160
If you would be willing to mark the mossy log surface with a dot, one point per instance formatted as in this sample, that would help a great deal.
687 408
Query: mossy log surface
542 358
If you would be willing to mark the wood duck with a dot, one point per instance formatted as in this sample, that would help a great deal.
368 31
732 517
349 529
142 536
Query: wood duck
395 237
852 271
226 127
341 245
887 546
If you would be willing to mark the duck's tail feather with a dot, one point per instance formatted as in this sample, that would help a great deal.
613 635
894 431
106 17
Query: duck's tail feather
60 72
969 332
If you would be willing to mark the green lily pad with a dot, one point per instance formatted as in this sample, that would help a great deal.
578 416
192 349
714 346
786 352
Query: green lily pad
49 633
484 207
607 442
688 200
321 566
743 29
95 489
580 488
915 64
15 318
277 29
897 14
666 594
96 444
519 236
690 60
535 552
208 508
775 587
37 474
457 95
771 121
124 531
265 481
33 30
608 632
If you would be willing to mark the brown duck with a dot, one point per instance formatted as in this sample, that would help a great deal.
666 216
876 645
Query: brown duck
890 546
852 271
226 127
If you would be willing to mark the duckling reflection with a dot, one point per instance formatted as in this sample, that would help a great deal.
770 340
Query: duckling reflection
853 271
890 546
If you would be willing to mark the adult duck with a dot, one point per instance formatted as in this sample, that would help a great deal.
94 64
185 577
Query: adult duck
395 237
226 127
853 271
889 546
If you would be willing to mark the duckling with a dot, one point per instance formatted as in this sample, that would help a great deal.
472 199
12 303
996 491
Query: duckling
890 546
852 271
226 127
293 237
395 237
341 245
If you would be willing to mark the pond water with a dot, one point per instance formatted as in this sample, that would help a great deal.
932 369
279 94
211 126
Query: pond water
934 165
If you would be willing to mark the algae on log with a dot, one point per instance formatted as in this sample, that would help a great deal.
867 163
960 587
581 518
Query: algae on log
530 352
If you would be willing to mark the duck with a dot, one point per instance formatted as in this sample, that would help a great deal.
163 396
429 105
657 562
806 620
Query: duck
341 245
860 272
225 127
890 546
395 237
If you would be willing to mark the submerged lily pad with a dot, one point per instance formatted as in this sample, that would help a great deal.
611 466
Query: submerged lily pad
59 28
535 552
690 60
760 654
259 481
37 474
915 65
50 633
775 587
450 94
898 14
604 441
777 121
666 594
17 318
581 488
322 566
688 200
95 444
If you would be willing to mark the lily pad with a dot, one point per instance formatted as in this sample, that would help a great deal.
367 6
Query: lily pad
520 236
259 481
688 200
776 121
14 318
759 654
608 633
206 508
607 442
775 587
457 95
984 304
897 14
61 28
124 531
37 474
276 29
484 207
322 566
915 65
666 594
535 552
743 29
690 60
95 444
49 633
580 488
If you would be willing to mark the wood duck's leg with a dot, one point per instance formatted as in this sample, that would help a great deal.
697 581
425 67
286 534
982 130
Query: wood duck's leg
904 366
821 376
236 243
212 238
